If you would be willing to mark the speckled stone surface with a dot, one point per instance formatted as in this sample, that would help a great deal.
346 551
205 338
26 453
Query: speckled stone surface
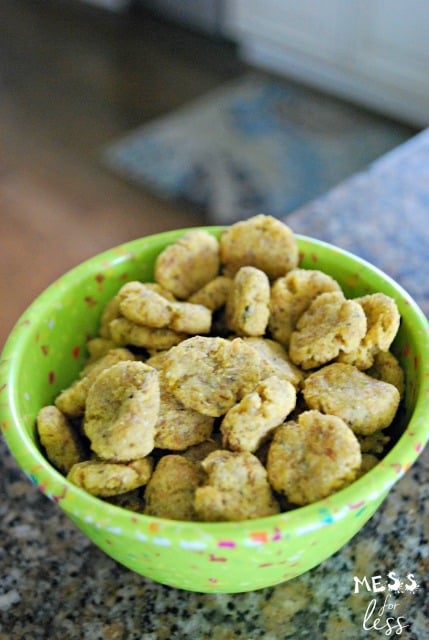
381 215
55 584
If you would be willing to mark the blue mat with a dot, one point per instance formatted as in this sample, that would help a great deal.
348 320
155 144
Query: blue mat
255 145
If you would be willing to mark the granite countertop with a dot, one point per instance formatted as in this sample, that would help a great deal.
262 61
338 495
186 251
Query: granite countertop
56 584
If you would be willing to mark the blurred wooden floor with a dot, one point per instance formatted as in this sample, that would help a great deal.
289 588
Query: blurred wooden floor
71 80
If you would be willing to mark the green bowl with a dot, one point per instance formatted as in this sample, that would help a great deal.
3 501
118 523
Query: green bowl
46 350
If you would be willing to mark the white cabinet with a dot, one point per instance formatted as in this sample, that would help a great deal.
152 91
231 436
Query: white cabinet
392 48
299 25
375 52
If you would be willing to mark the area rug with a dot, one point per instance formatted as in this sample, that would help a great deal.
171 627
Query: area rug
257 144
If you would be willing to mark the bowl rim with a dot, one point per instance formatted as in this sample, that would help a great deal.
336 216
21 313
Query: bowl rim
356 497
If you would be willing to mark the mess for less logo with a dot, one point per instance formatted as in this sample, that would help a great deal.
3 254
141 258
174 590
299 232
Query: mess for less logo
384 618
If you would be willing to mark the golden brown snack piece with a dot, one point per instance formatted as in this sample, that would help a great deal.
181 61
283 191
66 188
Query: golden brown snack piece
262 242
131 500
247 307
329 326
111 309
369 461
214 294
277 357
146 307
177 427
382 326
373 443
135 286
110 312
198 452
248 423
171 489
313 457
72 400
383 320
157 360
210 375
124 332
122 409
190 318
62 443
105 479
291 295
387 368
187 265
364 403
236 489
98 347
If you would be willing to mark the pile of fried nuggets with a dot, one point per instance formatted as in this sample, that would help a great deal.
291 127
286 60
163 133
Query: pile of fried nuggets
235 386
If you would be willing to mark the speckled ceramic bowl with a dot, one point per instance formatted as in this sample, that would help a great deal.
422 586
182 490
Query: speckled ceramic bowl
46 350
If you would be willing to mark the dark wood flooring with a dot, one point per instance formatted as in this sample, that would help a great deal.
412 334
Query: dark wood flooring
72 79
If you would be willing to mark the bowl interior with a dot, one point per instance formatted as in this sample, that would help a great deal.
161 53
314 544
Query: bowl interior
46 350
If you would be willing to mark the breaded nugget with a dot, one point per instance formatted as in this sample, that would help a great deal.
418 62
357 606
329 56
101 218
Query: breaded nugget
383 319
117 354
198 452
364 403
157 359
146 307
122 410
124 332
387 368
382 326
263 242
248 423
369 461
278 358
374 443
98 347
291 295
247 307
214 294
170 491
134 286
210 375
61 442
105 479
72 400
130 287
110 312
188 264
190 318
329 326
111 309
149 308
131 500
177 427
236 489
313 457
154 286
